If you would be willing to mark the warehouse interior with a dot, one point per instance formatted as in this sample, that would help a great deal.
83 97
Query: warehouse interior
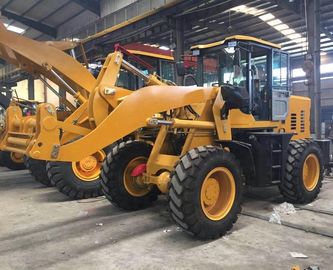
61 84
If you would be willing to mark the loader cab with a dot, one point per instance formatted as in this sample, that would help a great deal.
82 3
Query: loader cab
255 68
161 61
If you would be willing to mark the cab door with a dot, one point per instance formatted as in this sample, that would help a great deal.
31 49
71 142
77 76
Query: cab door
280 85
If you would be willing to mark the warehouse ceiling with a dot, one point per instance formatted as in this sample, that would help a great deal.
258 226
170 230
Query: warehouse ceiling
279 21
41 19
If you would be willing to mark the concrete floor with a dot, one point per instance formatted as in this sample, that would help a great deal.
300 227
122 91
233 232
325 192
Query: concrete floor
41 229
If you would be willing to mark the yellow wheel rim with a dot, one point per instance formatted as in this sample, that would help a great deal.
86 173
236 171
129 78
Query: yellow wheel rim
89 168
17 158
218 193
311 172
134 185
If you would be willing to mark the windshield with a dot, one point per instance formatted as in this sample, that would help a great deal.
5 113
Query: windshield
227 65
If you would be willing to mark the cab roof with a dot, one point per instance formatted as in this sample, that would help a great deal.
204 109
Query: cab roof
237 38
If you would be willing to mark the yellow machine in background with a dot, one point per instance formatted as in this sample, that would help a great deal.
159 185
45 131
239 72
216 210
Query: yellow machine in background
11 160
80 179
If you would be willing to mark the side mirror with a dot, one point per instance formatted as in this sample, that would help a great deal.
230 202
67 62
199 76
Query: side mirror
180 68
237 57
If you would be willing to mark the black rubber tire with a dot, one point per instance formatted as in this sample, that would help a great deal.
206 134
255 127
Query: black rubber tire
37 169
185 187
292 186
113 171
1 162
64 179
6 161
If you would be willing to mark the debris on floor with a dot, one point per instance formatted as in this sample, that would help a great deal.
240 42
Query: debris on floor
298 255
275 218
82 214
285 208
282 209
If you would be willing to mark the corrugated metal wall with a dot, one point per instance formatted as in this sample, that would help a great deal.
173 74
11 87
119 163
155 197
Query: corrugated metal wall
113 12
109 6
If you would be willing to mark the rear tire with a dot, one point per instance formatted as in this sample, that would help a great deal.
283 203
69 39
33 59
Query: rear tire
37 169
196 202
129 195
304 172
7 161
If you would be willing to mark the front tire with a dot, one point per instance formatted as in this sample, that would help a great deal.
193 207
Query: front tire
37 169
304 172
119 185
11 161
77 180
206 192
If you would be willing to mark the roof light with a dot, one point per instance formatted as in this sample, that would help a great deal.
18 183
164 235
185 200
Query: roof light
164 48
274 22
14 28
300 40
303 44
288 31
277 24
281 27
240 8
294 36
267 17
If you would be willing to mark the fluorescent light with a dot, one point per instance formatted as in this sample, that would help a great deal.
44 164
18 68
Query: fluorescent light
326 44
267 17
274 22
164 48
240 8
294 36
281 27
288 31
300 40
277 24
14 28
303 44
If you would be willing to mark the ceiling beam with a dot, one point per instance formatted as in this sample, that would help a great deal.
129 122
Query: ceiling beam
51 31
90 5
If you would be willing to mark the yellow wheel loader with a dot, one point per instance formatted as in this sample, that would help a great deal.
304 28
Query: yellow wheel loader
47 63
79 179
199 144
11 160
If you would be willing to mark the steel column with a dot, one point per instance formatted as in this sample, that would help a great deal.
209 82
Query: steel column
179 41
313 22
31 88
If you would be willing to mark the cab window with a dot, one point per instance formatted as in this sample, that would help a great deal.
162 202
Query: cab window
280 73
167 70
